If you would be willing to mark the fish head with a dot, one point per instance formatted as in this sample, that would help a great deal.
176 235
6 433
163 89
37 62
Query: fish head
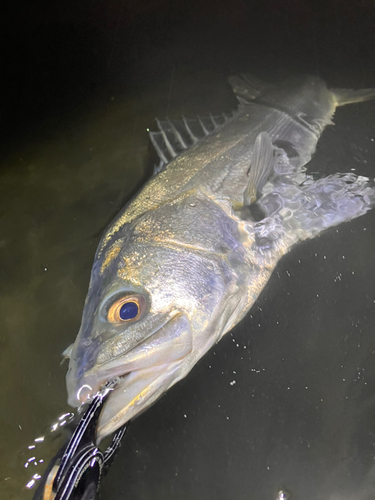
149 315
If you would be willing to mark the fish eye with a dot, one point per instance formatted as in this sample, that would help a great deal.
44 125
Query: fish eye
128 308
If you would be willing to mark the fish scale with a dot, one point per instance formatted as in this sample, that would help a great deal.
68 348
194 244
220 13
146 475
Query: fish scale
195 248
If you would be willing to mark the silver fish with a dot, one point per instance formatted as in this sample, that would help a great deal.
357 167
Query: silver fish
184 262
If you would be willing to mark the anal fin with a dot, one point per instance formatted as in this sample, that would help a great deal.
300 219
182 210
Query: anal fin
261 167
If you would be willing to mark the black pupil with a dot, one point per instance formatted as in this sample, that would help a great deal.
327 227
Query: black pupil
129 311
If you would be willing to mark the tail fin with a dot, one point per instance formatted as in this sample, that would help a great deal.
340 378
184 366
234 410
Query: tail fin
348 96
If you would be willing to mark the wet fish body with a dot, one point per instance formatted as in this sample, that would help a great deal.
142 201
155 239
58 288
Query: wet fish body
187 258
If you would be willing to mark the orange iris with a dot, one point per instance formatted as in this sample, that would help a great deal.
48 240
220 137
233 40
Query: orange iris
116 313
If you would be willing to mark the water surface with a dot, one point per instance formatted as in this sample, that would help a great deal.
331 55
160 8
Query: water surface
286 400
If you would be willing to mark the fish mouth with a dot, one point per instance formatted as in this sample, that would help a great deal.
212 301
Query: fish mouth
135 392
142 375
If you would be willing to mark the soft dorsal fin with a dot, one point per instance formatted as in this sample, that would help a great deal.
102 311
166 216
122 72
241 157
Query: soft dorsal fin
348 96
247 87
176 136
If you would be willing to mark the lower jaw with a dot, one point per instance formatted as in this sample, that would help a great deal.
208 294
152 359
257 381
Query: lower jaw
134 392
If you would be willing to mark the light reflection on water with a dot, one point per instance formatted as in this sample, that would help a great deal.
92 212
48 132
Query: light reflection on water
41 447
69 182
57 196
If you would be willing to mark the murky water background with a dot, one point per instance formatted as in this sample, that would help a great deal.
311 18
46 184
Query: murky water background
287 400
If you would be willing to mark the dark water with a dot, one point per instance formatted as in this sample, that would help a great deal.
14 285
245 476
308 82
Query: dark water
84 82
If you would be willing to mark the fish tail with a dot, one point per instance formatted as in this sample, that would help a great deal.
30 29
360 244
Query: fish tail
348 96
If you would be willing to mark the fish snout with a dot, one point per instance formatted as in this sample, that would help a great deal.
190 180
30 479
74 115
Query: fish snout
136 369
80 389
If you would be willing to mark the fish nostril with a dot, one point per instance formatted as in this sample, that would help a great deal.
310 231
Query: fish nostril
83 393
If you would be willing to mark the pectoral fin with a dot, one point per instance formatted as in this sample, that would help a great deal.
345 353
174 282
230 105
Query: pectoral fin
261 167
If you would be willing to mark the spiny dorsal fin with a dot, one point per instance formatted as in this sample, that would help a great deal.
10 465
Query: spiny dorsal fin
247 87
176 136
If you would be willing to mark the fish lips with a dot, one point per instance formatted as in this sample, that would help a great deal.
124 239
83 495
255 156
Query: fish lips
144 373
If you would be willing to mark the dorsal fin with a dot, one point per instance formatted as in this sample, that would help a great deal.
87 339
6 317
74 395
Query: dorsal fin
247 87
176 136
